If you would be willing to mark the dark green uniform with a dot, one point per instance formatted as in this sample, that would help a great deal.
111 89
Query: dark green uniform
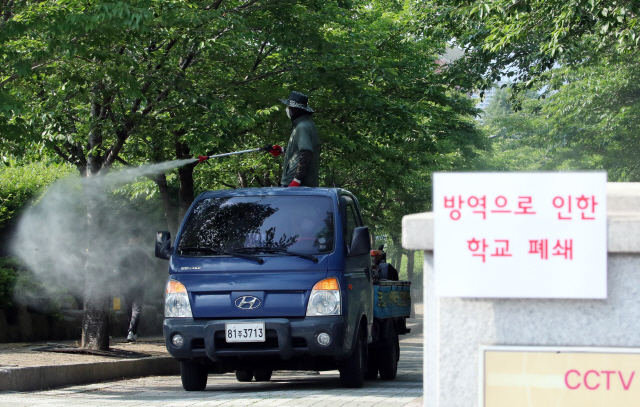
303 137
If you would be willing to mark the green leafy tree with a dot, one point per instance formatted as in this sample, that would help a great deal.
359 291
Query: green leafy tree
171 77
589 120
524 40
107 84
386 115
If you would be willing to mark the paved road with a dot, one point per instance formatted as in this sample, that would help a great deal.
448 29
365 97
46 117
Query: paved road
304 390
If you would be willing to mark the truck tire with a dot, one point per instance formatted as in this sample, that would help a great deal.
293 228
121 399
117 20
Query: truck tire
244 375
193 375
262 375
389 353
352 368
373 363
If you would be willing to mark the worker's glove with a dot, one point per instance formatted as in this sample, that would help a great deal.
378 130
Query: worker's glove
275 150
295 183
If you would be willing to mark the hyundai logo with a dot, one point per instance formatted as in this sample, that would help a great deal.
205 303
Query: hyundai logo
247 302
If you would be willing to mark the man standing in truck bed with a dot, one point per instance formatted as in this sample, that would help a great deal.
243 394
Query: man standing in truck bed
302 155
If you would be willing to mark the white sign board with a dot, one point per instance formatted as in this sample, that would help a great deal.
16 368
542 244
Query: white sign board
520 235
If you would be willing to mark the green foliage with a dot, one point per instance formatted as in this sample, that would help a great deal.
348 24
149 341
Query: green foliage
386 117
19 286
594 111
22 183
150 80
8 277
107 83
418 265
515 137
523 40
588 120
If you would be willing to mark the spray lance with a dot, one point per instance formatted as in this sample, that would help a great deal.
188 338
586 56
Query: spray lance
274 150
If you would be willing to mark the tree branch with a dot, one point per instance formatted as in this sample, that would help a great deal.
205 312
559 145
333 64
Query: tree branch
258 59
147 85
80 154
7 11
170 45
114 150
243 7
62 154
122 161
36 66
184 64
228 185
214 6
259 77
258 180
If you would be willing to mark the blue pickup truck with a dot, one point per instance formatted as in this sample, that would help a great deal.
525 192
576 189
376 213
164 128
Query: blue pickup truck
265 279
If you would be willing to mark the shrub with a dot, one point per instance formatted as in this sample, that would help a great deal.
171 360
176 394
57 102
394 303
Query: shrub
18 286
20 184
8 277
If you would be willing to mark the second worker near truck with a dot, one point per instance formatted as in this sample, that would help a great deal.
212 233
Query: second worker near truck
302 155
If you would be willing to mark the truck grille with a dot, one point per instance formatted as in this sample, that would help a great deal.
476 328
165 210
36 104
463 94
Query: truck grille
271 342
298 342
197 343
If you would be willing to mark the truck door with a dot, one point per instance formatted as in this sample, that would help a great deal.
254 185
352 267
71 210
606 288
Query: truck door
357 271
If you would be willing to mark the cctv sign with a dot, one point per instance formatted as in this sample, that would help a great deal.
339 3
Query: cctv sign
520 235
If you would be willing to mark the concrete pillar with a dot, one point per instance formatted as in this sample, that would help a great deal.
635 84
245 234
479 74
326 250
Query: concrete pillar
455 328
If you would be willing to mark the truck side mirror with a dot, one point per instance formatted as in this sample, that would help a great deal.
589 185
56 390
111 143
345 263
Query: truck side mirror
163 245
360 242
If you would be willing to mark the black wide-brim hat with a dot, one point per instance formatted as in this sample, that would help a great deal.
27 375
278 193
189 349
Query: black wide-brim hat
299 100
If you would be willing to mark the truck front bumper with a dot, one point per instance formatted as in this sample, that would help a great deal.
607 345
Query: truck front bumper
285 338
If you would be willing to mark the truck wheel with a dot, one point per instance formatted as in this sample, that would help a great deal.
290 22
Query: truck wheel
352 368
244 375
193 375
372 364
262 375
389 354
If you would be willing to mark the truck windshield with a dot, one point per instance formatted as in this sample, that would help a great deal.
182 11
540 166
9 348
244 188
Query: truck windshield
301 224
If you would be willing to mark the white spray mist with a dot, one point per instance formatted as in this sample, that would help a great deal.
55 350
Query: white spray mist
52 238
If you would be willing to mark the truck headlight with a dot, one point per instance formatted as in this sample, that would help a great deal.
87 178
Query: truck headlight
325 298
176 301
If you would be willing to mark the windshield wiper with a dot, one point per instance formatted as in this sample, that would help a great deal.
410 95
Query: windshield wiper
222 252
278 250
198 249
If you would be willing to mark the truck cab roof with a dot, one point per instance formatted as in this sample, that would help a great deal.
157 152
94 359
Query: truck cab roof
307 191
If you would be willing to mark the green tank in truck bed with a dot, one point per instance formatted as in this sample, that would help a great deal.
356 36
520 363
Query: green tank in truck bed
391 299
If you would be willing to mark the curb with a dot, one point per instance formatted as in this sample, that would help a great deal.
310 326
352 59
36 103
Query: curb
45 377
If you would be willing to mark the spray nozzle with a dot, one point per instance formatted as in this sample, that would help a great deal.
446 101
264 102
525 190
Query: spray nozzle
202 158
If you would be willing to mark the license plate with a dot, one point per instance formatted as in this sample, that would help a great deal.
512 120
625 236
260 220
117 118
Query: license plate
245 332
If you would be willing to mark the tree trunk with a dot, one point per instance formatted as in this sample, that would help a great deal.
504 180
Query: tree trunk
398 253
410 265
394 259
168 204
95 321
242 180
170 210
266 180
185 173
